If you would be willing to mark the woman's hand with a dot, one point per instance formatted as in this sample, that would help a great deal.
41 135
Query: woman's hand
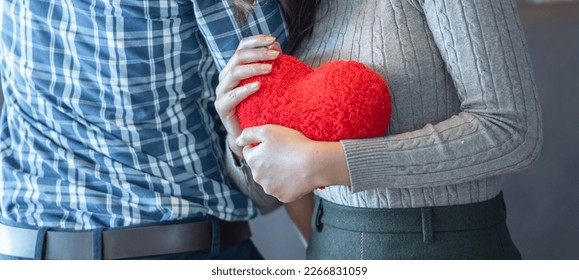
242 65
288 165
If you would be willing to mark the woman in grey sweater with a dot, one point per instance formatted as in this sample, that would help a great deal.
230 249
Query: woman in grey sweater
465 113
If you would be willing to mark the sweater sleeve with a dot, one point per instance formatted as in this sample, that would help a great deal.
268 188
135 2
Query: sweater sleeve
498 129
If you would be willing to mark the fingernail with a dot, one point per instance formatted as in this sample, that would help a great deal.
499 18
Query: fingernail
265 67
272 54
254 85
269 39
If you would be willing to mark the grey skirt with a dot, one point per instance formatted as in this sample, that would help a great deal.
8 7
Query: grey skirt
471 231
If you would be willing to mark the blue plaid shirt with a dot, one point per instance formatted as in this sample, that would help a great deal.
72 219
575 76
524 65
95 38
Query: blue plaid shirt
108 118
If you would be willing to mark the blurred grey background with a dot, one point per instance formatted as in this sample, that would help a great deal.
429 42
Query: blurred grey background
543 201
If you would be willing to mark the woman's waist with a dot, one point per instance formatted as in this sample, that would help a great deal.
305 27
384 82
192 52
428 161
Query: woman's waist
445 195
470 216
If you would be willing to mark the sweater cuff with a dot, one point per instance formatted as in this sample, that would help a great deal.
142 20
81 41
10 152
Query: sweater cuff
366 169
241 178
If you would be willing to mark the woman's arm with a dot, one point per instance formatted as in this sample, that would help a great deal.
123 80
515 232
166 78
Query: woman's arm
300 212
499 128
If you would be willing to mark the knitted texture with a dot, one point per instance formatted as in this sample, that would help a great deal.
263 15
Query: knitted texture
465 107
339 100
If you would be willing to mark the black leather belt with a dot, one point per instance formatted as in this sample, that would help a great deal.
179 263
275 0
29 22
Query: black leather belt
121 243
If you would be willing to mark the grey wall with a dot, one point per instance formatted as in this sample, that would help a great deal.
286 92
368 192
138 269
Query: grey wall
543 201
277 238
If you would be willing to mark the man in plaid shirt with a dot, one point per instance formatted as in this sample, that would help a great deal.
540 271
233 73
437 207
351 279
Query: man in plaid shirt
110 145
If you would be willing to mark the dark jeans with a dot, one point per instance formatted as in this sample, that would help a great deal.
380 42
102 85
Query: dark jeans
471 231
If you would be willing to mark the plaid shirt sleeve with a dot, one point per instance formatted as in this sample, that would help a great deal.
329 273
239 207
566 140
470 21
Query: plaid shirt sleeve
224 33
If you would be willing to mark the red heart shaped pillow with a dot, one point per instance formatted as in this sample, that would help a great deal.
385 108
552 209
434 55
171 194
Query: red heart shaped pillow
339 100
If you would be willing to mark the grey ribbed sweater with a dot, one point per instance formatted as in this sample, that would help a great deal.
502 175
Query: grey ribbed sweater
465 106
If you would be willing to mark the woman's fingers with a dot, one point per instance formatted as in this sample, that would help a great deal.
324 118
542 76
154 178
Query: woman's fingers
256 41
239 73
254 55
246 57
244 64
228 102
275 46
252 135
253 49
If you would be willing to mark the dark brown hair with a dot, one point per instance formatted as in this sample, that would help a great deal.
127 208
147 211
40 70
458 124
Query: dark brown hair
299 15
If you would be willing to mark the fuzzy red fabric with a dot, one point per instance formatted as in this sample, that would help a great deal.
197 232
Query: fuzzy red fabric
339 100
